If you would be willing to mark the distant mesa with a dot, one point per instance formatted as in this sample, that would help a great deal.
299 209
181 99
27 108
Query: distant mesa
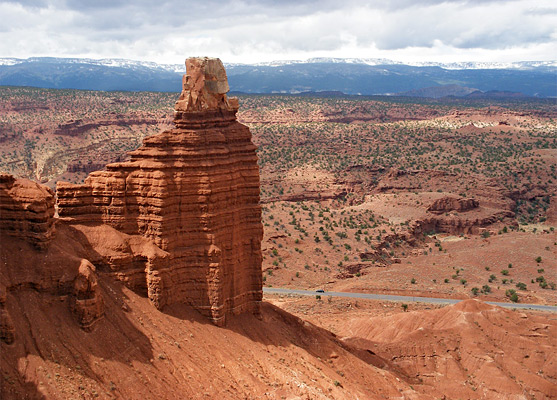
437 92
495 94
447 204
441 91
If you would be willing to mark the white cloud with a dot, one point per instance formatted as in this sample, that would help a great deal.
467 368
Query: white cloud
167 31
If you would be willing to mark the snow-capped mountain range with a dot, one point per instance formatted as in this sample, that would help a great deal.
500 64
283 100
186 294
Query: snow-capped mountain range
106 62
119 62
361 76
452 65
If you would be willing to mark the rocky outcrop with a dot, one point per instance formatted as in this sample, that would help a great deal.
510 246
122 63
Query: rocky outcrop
309 195
454 225
193 191
26 210
7 329
86 302
79 127
447 204
87 167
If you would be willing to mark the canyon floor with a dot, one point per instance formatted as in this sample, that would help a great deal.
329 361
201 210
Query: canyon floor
451 198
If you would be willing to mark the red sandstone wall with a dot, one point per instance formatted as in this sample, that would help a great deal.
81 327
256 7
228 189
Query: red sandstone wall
26 210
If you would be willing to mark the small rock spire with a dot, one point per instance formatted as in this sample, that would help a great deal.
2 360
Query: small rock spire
204 88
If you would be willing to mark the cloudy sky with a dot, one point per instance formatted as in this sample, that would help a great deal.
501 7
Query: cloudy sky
168 31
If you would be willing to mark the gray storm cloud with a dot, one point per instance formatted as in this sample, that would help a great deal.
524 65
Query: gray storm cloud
250 30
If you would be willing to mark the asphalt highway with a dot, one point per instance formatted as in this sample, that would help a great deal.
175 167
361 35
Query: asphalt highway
389 297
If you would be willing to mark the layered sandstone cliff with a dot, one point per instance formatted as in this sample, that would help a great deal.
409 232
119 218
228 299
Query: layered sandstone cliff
193 191
26 210
34 257
447 204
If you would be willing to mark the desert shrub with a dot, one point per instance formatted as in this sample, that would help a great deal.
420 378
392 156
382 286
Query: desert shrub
511 294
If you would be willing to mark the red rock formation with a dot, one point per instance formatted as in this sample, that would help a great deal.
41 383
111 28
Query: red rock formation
194 192
446 204
455 225
86 301
7 329
26 210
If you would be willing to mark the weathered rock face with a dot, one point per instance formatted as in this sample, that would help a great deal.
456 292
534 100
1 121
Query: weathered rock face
447 204
7 329
194 192
26 210
86 301
456 226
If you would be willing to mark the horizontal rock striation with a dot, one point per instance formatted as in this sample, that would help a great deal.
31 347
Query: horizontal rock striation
79 127
194 192
447 204
26 210
456 226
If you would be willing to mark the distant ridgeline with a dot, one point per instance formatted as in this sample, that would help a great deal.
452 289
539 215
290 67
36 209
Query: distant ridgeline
363 77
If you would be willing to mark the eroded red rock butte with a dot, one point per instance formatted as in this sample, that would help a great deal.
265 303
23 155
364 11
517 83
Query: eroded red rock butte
193 192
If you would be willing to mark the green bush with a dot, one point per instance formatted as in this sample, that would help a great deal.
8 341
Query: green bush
511 294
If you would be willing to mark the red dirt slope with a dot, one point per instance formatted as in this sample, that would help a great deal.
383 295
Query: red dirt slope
470 350
138 352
